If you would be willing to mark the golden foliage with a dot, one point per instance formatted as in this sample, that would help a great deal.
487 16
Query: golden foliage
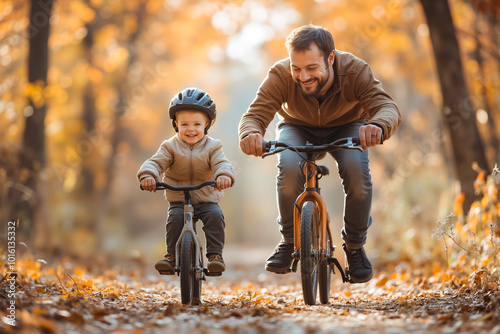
475 238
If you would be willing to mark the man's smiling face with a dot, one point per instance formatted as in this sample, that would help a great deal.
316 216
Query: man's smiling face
310 72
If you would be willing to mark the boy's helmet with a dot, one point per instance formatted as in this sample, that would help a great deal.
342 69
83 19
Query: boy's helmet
193 99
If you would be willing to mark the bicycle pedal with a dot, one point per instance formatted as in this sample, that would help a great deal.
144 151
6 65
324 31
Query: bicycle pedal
166 272
208 273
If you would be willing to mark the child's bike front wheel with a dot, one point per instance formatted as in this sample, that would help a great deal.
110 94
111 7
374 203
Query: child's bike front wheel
309 251
190 283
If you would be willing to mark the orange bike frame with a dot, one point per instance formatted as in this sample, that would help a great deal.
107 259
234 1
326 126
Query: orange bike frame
310 171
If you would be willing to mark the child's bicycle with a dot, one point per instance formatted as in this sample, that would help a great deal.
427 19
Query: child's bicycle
189 263
312 236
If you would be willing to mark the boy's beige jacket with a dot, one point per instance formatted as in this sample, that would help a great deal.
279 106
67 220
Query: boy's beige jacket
357 96
185 164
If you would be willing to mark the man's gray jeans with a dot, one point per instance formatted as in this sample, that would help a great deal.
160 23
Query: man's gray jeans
353 170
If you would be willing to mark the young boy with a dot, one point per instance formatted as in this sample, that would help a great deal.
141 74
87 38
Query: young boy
191 157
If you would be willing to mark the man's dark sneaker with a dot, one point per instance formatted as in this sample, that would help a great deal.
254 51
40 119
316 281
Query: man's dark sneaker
357 265
281 259
166 266
216 263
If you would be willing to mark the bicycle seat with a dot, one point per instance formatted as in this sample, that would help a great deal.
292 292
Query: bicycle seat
319 156
323 170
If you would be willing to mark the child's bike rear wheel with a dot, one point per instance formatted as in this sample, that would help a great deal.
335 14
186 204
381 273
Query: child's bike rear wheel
190 285
197 279
309 251
325 274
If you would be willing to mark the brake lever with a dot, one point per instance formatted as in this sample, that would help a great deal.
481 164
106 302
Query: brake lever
352 144
273 150
268 151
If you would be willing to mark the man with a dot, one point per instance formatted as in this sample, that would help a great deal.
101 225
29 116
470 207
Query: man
321 94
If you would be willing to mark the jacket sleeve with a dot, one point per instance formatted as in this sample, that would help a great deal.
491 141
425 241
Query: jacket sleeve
219 163
157 164
381 108
267 102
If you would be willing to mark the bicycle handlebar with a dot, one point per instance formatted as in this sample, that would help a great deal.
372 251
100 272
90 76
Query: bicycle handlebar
163 185
273 147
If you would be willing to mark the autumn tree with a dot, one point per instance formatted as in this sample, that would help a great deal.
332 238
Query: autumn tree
122 103
32 158
457 110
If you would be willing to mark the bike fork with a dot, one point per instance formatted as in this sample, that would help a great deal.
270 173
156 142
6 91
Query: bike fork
189 228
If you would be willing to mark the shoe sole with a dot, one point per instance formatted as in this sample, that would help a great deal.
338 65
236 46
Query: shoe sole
165 270
216 267
364 280
275 270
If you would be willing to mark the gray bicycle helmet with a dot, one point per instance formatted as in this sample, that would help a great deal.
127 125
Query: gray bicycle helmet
193 99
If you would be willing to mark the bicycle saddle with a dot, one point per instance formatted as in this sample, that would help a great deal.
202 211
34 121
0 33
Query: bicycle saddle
323 170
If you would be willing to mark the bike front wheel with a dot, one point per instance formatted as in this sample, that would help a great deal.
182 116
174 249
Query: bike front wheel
309 251
190 284
325 274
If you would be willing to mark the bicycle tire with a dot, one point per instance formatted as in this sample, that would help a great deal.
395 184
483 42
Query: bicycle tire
325 274
309 251
186 271
197 282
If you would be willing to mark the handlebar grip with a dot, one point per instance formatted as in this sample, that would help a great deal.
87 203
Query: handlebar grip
265 146
357 142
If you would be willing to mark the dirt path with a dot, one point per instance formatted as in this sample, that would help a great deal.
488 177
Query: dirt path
245 299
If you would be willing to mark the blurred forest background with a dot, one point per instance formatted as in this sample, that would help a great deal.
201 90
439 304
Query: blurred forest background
85 86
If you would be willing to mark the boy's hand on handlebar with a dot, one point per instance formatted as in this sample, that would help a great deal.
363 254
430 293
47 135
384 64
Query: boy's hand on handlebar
369 135
148 184
252 144
223 182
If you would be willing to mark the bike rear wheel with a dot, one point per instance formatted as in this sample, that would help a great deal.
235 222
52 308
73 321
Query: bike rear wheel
309 251
325 274
190 285
197 281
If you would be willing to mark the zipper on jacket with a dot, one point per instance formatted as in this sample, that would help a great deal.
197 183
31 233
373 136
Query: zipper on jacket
191 164
324 102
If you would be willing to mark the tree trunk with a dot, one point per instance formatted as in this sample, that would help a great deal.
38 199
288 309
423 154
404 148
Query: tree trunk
32 158
493 140
119 110
458 111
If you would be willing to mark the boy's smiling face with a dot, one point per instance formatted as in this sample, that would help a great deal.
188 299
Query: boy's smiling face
191 125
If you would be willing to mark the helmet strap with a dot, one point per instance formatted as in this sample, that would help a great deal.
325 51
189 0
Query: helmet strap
210 122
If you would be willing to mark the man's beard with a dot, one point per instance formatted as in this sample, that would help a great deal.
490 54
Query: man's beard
319 86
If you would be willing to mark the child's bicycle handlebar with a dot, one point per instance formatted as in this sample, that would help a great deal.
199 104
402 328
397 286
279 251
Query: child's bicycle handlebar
163 185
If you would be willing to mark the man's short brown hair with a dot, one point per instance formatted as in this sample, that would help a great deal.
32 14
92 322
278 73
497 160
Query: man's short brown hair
300 39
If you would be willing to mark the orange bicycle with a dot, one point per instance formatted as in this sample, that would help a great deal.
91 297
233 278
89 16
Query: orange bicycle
312 237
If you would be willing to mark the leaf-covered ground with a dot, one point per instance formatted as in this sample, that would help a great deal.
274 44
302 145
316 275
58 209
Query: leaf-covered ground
61 296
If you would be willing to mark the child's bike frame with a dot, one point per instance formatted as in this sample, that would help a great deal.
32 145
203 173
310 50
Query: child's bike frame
189 262
312 237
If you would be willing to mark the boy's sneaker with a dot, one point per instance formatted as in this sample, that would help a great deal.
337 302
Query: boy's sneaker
281 259
167 265
216 263
357 265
